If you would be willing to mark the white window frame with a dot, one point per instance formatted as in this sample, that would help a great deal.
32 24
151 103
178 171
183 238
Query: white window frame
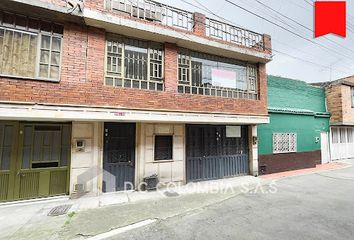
150 47
291 144
39 35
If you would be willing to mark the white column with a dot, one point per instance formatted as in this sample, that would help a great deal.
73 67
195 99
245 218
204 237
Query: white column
253 150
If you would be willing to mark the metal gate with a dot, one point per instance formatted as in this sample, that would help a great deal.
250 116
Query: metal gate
34 160
119 156
213 155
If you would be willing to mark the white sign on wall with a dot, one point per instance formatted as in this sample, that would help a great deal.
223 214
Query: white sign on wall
233 131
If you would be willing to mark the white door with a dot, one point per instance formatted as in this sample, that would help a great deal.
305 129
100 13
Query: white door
325 157
342 143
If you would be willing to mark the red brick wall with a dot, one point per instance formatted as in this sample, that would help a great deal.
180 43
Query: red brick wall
82 82
274 163
199 24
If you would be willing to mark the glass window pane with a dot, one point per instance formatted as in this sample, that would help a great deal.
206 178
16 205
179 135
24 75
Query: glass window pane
109 81
46 27
43 71
59 29
163 147
37 146
45 43
54 72
8 19
55 58
64 158
21 22
44 56
33 24
56 42
6 158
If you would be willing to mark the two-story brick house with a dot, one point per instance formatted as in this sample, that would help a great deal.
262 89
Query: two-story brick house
340 103
106 92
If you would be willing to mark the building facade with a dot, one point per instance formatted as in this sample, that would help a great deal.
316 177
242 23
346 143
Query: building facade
340 102
297 135
104 93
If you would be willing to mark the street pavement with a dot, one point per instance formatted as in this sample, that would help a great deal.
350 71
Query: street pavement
314 206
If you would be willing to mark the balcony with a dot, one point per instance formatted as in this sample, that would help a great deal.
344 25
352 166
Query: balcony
189 22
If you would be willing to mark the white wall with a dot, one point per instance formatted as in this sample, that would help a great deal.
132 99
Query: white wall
168 171
253 150
86 165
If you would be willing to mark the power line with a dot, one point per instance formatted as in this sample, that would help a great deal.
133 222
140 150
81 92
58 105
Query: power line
203 8
285 29
350 27
301 25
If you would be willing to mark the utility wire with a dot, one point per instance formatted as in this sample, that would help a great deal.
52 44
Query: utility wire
287 30
350 27
301 25
203 8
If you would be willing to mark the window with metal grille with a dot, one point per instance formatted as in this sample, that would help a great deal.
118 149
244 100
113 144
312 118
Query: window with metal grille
205 74
163 147
134 64
352 95
29 48
284 142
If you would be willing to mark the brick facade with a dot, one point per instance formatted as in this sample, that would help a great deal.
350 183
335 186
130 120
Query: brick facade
334 103
82 82
339 101
82 75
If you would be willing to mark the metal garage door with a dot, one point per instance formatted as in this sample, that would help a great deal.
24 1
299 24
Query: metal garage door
211 154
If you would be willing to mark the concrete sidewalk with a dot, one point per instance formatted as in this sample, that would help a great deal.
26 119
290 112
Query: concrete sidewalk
91 216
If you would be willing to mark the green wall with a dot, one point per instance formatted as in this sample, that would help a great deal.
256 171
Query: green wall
294 107
290 93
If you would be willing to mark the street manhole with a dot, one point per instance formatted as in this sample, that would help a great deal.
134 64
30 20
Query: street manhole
59 210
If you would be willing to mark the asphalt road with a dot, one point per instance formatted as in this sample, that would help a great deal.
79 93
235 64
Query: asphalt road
316 206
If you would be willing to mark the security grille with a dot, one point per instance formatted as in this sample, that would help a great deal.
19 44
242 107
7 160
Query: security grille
284 142
133 63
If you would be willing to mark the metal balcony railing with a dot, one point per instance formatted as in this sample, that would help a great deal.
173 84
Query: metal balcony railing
153 11
233 34
174 17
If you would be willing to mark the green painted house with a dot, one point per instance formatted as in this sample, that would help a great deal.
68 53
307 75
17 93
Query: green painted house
297 135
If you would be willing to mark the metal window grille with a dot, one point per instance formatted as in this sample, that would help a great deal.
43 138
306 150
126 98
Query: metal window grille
29 47
163 147
284 142
133 63
193 79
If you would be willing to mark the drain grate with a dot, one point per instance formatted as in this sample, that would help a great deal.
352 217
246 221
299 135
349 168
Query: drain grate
171 194
59 210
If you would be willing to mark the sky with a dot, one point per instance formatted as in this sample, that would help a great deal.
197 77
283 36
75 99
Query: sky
329 58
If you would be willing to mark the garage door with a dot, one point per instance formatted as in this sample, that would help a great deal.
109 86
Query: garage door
214 153
34 160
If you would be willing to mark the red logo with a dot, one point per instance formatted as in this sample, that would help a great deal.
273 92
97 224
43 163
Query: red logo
330 17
